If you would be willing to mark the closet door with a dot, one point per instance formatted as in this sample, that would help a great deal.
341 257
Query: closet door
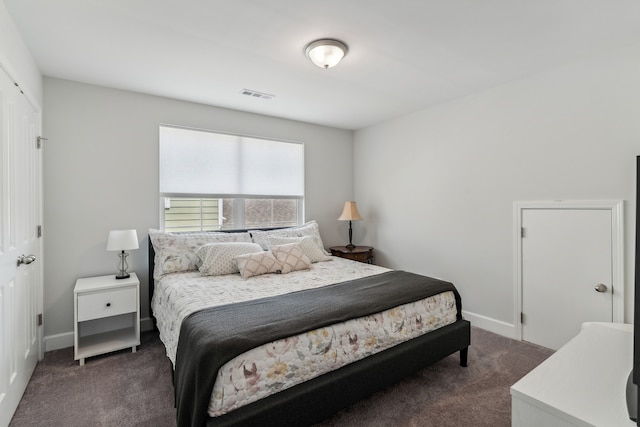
567 272
20 215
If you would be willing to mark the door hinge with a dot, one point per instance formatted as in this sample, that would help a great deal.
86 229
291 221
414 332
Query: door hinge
39 141
522 318
523 232
39 231
40 319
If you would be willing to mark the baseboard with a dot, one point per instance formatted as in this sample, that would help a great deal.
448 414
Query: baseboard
492 325
58 341
64 340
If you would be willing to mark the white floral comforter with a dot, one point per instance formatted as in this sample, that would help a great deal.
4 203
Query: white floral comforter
285 363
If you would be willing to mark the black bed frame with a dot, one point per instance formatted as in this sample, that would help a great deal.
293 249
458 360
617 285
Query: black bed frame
321 397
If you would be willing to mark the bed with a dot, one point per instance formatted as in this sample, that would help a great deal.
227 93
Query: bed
291 335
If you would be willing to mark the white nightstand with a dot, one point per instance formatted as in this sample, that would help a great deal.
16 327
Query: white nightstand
106 315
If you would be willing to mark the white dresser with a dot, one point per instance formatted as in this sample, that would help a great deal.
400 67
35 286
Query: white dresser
582 384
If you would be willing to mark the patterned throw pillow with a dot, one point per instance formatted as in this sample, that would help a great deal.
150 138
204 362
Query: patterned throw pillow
257 264
172 260
307 244
291 257
218 258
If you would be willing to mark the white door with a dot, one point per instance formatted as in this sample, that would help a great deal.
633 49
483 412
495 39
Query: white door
20 207
567 272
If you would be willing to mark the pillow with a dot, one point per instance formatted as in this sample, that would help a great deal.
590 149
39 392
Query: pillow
176 251
257 263
172 260
307 244
310 228
291 257
217 258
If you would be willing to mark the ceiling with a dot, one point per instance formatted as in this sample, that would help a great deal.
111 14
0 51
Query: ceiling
404 55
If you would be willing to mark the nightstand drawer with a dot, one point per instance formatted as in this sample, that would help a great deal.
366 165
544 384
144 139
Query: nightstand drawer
106 303
362 257
356 253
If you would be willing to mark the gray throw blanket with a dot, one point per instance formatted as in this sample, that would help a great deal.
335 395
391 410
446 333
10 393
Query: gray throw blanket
211 337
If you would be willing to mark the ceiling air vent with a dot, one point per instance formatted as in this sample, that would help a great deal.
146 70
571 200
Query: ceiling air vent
256 94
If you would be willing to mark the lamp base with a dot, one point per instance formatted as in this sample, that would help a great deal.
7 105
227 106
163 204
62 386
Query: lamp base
123 266
350 246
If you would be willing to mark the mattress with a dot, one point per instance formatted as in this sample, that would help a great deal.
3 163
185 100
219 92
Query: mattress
284 363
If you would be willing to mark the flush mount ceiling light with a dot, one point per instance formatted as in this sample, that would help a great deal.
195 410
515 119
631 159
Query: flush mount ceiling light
326 53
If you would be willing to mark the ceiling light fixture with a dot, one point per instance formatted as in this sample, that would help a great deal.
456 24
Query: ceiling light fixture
326 53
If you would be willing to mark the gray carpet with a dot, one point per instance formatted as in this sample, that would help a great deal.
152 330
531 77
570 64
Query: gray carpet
134 389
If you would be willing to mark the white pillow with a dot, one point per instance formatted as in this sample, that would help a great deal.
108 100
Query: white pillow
291 257
257 263
310 228
218 258
307 244
176 251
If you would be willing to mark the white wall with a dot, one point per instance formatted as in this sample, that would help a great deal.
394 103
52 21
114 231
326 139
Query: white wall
17 60
101 173
437 187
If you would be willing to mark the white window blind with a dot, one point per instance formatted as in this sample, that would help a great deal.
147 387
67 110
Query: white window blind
195 162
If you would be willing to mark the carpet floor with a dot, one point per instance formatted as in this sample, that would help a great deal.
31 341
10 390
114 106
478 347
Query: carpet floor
134 389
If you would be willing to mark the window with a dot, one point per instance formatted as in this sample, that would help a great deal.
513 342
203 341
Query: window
192 214
210 214
214 181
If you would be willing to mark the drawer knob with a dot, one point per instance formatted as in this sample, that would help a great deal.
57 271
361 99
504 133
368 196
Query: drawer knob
108 304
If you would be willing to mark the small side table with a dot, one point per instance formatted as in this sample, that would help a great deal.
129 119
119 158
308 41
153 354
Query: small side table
106 315
358 253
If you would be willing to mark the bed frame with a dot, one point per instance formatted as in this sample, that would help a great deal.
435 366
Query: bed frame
321 397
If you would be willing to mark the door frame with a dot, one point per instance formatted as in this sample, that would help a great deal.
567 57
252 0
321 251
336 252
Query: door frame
616 207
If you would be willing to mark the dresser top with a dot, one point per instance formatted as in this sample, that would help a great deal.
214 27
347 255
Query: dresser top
584 382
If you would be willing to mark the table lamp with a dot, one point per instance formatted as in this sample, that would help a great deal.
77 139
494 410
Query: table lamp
350 213
122 240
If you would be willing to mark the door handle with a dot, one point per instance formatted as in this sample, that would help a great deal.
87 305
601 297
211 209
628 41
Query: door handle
601 288
28 259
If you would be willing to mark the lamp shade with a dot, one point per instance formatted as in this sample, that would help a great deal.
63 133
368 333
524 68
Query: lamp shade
122 240
350 212
326 53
